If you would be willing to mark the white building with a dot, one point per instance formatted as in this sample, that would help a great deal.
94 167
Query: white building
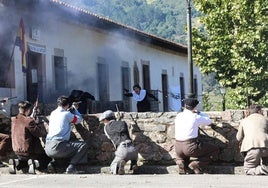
69 48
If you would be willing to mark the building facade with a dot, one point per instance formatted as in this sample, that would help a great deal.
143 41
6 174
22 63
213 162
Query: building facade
67 48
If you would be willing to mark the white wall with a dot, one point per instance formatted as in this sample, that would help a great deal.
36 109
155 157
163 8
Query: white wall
82 47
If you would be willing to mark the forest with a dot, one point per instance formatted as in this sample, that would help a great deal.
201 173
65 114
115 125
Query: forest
229 40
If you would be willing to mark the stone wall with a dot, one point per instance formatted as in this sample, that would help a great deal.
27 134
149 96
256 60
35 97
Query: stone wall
153 135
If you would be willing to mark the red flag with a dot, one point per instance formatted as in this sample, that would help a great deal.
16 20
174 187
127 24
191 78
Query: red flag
21 42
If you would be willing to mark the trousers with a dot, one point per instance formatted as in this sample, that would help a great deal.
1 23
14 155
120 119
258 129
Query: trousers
254 159
76 151
5 144
125 151
202 151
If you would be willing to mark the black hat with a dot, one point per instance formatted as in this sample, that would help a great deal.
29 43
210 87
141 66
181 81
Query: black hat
190 103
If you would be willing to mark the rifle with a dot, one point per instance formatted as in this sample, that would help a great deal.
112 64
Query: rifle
71 109
118 112
5 100
35 109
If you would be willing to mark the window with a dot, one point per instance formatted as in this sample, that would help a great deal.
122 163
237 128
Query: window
7 73
146 77
103 80
182 87
60 68
136 73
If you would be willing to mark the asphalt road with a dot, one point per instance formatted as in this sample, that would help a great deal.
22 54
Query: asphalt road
132 181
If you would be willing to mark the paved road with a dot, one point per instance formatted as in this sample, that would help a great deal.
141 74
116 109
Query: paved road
132 181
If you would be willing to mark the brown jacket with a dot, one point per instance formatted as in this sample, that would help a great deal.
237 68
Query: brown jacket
253 132
25 135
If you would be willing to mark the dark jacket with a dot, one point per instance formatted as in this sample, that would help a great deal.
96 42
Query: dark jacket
25 135
117 132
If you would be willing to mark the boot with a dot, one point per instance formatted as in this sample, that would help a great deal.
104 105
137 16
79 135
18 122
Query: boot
51 167
121 167
13 163
33 165
71 169
195 167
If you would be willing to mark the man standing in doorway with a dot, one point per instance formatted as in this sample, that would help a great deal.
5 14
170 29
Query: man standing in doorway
141 96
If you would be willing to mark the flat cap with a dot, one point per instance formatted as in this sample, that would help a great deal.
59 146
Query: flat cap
106 114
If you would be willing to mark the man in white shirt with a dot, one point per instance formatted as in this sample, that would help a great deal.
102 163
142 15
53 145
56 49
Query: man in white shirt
187 144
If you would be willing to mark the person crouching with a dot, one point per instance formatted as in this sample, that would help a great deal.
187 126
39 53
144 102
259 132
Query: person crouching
118 133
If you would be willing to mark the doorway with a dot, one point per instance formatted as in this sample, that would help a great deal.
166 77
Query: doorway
165 92
34 77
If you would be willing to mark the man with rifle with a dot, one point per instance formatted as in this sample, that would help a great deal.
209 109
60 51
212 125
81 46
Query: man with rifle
187 144
118 133
26 133
58 144
5 139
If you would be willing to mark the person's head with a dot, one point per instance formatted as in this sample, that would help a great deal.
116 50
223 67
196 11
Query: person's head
63 101
137 88
255 109
107 116
190 103
25 107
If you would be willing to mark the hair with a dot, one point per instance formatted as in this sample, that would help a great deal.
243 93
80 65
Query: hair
24 106
189 107
254 109
136 86
63 101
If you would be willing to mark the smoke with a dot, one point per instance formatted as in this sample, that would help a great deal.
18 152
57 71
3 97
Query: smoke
39 14
8 30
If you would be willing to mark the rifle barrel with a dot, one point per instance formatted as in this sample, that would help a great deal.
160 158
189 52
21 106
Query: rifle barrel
9 98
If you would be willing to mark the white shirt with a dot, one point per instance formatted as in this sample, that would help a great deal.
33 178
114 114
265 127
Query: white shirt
60 124
139 97
187 122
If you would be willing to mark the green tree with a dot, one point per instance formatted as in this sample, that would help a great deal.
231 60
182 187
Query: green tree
233 43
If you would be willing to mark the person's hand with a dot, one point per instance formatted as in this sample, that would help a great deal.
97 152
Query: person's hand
5 100
196 111
213 126
75 105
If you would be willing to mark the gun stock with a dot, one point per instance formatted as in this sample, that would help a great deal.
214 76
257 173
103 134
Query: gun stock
118 112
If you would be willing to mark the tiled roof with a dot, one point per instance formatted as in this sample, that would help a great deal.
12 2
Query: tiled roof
90 18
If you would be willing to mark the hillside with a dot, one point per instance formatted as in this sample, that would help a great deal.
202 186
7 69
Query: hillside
166 19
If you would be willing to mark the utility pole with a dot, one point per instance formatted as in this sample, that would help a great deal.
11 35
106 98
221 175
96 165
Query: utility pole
190 57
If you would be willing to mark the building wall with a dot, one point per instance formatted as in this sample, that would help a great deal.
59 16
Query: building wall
83 45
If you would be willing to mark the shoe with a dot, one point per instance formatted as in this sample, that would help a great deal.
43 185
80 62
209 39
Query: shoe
33 165
264 169
71 169
13 163
181 168
195 167
133 164
134 169
2 164
51 167
121 167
